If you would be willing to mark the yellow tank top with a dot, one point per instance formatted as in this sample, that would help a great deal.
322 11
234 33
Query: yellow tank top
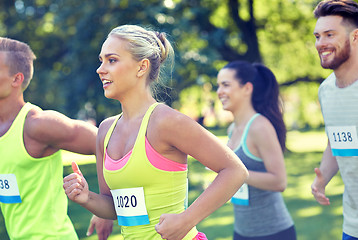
41 212
164 191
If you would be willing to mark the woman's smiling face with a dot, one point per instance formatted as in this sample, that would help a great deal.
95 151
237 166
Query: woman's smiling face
118 69
229 89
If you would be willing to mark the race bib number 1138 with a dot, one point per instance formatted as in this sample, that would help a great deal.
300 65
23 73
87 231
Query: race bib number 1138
343 140
9 190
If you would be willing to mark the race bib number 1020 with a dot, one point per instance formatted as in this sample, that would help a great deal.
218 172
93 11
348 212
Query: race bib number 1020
130 206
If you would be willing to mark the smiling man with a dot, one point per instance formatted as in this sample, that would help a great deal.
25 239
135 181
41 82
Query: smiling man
336 35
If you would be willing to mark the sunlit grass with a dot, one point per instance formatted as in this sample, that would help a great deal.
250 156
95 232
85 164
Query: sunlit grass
311 141
312 221
68 157
113 236
309 212
213 222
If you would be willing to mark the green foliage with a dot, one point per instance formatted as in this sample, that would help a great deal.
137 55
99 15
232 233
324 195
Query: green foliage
66 36
286 39
298 108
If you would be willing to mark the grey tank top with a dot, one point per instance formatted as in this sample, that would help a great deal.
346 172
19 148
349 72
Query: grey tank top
340 112
266 212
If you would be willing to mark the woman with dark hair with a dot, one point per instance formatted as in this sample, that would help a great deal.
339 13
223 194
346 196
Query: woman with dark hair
257 136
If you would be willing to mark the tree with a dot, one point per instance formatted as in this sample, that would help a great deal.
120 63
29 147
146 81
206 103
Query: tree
66 35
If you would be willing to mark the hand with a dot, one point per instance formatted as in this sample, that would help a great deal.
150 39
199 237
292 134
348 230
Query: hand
76 186
172 227
318 188
103 227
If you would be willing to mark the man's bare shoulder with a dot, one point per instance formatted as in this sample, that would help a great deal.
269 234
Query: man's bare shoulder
38 119
41 124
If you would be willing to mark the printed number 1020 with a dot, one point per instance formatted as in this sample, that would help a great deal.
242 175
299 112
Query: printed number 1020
125 202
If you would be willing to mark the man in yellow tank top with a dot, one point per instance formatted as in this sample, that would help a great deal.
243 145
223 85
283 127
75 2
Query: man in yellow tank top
32 199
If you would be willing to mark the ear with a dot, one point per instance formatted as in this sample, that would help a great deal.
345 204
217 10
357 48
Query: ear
355 35
143 67
249 88
18 79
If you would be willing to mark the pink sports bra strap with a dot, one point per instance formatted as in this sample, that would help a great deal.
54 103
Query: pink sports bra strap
157 160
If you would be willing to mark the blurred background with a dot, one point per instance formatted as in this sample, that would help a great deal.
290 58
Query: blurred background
66 36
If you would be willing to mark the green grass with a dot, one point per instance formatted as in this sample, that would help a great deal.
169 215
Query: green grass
312 220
